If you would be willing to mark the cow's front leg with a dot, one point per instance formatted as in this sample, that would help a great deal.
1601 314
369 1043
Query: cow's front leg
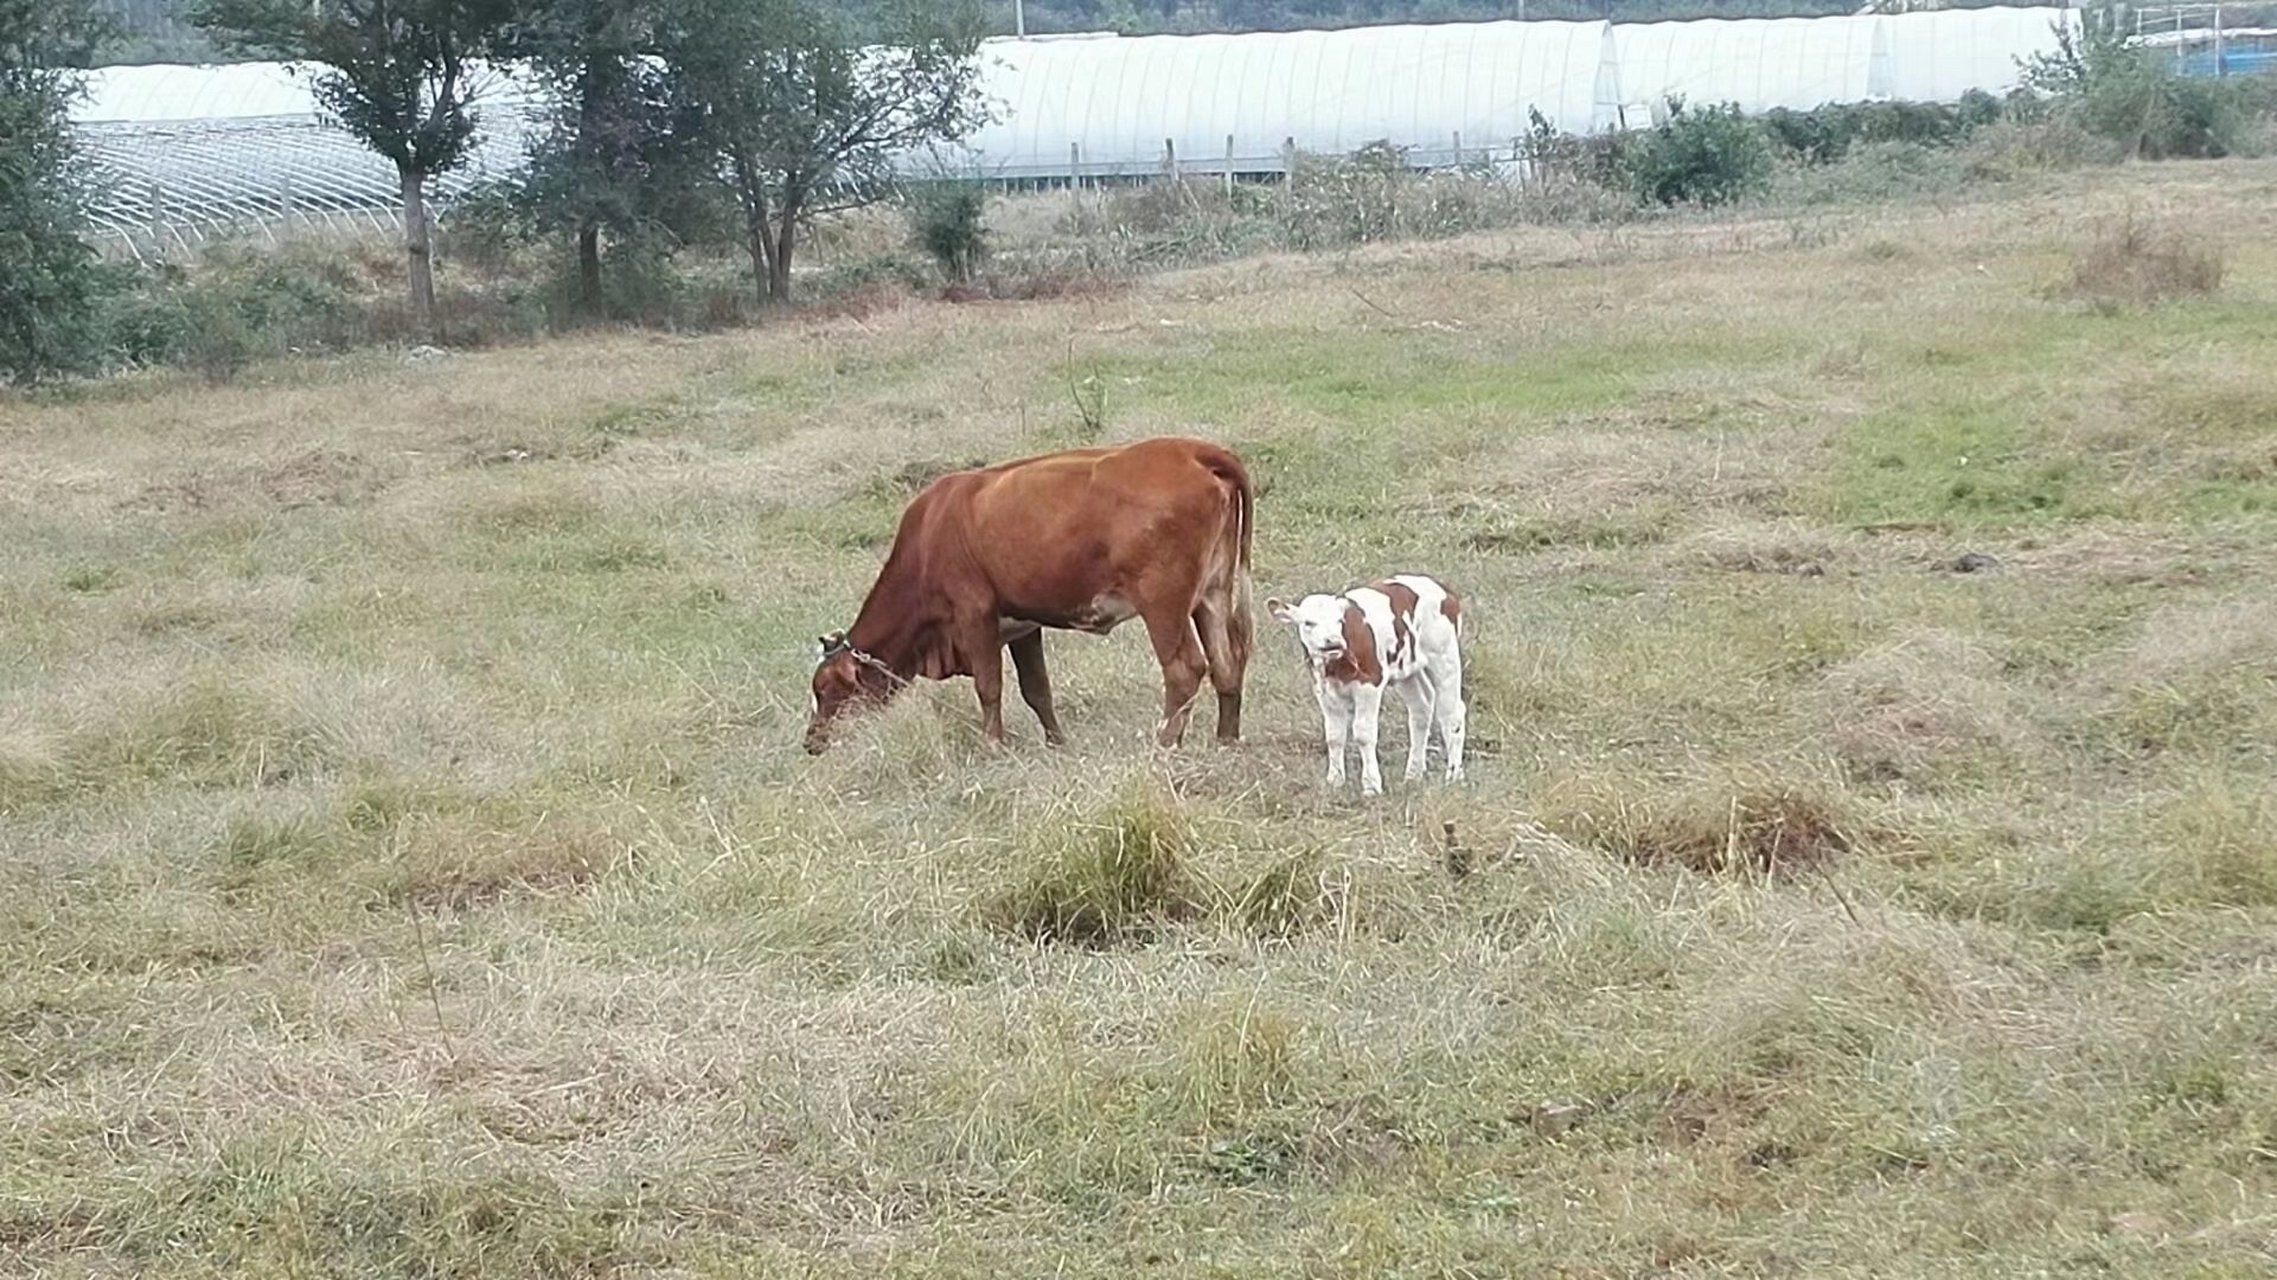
1036 683
987 650
1335 726
1367 706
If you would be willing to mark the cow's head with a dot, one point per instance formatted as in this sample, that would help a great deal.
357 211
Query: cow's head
844 677
1319 623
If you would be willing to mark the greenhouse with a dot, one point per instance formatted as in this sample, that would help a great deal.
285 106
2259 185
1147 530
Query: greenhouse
1939 55
1104 104
192 152
1756 63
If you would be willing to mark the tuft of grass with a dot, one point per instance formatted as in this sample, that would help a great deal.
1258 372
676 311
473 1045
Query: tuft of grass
1766 825
475 858
1920 707
2135 263
1113 877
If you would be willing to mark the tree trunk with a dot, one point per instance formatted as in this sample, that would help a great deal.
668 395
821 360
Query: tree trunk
786 237
419 254
758 235
589 272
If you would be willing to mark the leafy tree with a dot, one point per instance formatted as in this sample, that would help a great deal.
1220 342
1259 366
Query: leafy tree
397 73
625 154
50 284
805 102
2118 90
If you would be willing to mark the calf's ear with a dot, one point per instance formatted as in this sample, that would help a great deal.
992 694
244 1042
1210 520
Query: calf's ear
1279 608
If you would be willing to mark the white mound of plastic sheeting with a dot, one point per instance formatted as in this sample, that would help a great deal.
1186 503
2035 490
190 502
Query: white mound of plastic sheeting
1939 55
1757 63
1107 104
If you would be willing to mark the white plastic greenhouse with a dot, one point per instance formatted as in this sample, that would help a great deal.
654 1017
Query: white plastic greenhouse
1940 54
1758 63
1105 104
189 151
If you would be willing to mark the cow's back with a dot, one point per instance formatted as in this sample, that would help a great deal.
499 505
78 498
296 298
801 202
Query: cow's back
1062 528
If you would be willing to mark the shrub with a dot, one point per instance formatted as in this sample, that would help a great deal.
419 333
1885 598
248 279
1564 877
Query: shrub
51 287
2121 91
1874 172
2133 262
1705 156
947 219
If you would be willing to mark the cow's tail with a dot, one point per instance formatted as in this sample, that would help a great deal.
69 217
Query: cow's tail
1242 624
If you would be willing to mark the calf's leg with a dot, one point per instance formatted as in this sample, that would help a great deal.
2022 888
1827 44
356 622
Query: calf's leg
1336 726
1367 708
1447 684
1416 693
1036 683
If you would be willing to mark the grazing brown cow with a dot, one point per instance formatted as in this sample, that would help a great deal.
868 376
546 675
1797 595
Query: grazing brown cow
1085 540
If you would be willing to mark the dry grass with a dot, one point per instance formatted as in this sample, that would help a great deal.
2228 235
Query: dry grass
2136 263
410 865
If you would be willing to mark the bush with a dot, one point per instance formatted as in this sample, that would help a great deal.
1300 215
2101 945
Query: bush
947 220
1706 156
2133 262
51 287
2118 90
1874 172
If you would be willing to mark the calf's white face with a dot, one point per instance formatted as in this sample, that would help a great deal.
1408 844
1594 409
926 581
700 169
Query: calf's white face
1319 620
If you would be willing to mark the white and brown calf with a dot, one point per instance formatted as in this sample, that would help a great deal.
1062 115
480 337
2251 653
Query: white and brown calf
1403 634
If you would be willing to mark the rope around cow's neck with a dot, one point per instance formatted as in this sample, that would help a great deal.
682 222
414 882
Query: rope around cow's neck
871 661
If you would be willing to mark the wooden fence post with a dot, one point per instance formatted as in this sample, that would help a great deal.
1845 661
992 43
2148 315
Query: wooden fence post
1229 166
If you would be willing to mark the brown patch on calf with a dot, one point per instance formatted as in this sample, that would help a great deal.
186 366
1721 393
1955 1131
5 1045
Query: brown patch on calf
1358 664
1403 601
1452 609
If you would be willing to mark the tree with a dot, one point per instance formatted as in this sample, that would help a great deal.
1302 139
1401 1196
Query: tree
50 284
805 103
625 154
397 74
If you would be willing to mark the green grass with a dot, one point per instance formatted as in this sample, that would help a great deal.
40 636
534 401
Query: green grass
408 864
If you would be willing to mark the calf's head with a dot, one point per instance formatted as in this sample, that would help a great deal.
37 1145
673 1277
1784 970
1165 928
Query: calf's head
1323 624
844 677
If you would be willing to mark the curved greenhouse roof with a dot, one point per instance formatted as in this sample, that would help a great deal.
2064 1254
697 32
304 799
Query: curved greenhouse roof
1111 103
1758 63
1939 55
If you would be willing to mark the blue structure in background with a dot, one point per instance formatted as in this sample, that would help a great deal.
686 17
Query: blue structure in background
2233 62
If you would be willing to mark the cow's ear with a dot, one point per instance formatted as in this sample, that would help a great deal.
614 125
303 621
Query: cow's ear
1279 608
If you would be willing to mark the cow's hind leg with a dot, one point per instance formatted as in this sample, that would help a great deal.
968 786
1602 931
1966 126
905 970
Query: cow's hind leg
1036 683
1418 694
1178 647
1224 634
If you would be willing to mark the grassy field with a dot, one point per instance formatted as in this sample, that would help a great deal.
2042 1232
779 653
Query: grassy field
409 866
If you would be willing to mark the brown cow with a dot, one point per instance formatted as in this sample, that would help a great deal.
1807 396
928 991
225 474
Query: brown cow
1084 540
